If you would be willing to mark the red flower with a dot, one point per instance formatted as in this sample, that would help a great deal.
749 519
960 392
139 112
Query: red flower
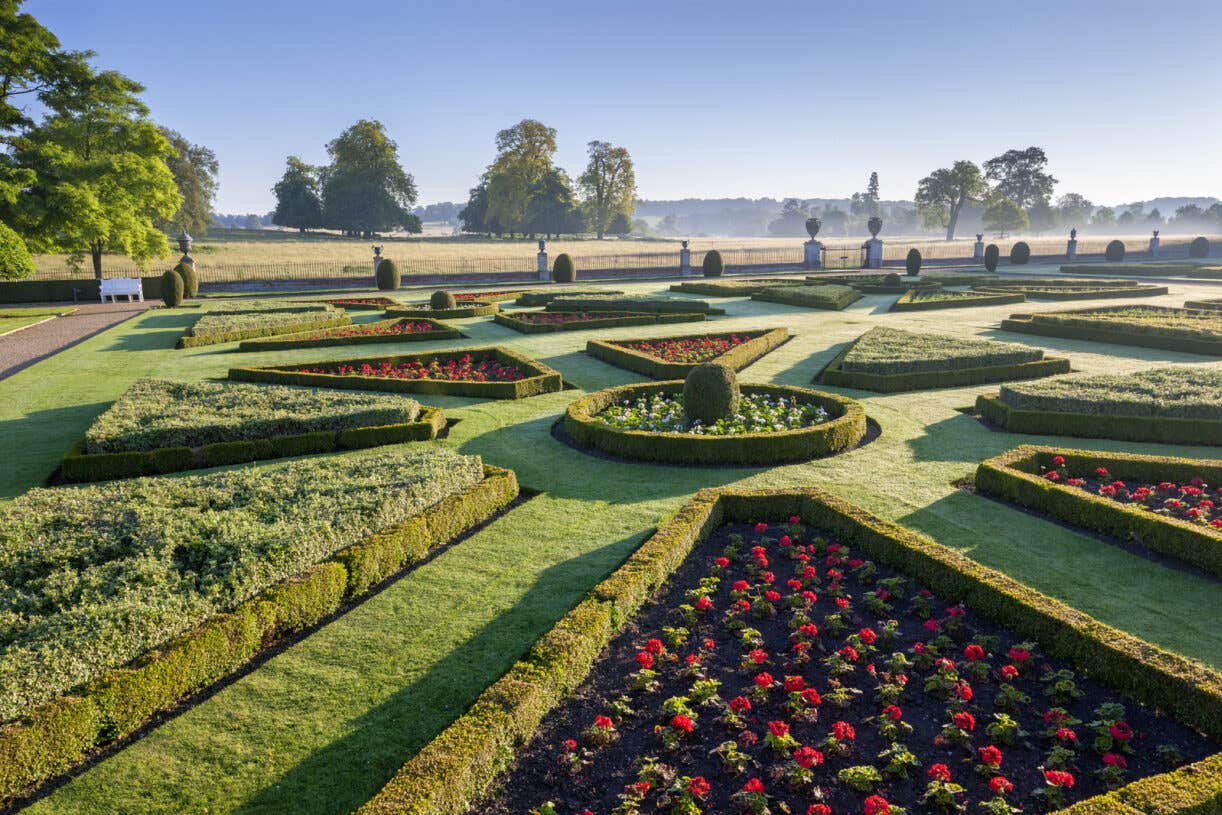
818 809
964 721
939 772
877 805
842 602
654 646
843 731
753 785
681 722
1000 785
758 655
761 527
794 684
722 562
795 520
644 659
1058 778
1121 731
1019 655
893 712
772 596
812 696
848 653
603 722
1008 672
990 756
1115 760
932 625
1058 460
867 635
570 744
741 585
698 786
1065 734
807 757
763 679
973 652
739 704
963 691
778 729
704 604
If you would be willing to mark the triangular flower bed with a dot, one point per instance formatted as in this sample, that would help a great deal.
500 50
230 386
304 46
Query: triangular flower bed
674 357
546 322
400 329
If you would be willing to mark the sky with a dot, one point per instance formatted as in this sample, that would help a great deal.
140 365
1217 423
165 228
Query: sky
712 99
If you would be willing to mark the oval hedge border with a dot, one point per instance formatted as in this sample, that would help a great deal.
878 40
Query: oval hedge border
472 309
842 432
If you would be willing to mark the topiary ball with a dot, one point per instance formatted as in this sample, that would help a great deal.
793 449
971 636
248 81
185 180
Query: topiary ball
892 279
171 289
713 265
442 300
190 280
387 275
710 393
991 257
563 270
913 262
1114 253
1199 248
15 260
1020 253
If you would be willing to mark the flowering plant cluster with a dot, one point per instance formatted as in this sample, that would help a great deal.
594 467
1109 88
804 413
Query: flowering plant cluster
783 672
663 413
691 350
1195 502
361 301
462 369
562 317
483 296
382 329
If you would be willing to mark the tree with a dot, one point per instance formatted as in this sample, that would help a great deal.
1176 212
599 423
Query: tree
298 203
1074 209
524 156
865 204
1104 216
1155 217
608 184
1214 213
1041 216
473 217
1003 215
365 189
252 222
1189 213
620 224
1020 176
101 179
940 196
835 221
1128 217
792 220
194 168
551 209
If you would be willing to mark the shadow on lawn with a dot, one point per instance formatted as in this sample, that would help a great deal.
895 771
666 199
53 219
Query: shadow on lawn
802 374
346 773
144 339
1059 346
36 443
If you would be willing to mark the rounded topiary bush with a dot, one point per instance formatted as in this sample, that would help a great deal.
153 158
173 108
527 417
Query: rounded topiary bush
15 260
172 288
1114 253
1199 248
387 275
442 300
563 270
1020 253
713 265
913 262
710 393
190 280
991 257
892 279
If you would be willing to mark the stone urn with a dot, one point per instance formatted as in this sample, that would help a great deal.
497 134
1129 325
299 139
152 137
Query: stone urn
812 227
875 225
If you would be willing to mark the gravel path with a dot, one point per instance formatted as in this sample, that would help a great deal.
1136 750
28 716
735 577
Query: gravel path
21 349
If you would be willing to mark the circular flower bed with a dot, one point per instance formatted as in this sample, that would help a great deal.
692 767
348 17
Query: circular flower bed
688 350
774 424
463 369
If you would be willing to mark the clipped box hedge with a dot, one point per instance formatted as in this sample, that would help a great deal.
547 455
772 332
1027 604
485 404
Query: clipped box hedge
440 331
464 762
1066 290
1099 426
540 379
927 300
611 320
310 321
1016 476
845 428
1169 268
731 288
647 305
738 357
56 736
1204 305
488 296
541 297
830 297
468 309
1078 325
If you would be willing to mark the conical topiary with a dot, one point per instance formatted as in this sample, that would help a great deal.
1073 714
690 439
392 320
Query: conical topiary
563 270
912 263
190 280
387 275
171 289
711 393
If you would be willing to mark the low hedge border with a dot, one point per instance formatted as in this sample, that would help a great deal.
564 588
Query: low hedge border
194 341
463 762
440 331
542 379
1025 324
83 290
524 326
1102 293
79 466
1015 477
490 297
931 380
644 305
844 430
795 297
56 736
1164 269
907 303
423 310
1099 426
731 288
1204 305
530 299
738 357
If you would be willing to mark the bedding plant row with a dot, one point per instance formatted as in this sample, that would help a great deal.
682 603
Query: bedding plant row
1173 329
674 357
546 322
397 330
541 297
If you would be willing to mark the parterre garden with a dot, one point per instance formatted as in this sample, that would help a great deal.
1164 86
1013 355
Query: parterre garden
813 549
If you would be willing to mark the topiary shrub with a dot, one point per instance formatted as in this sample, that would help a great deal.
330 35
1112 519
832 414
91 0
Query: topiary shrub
563 270
713 265
171 289
1114 253
913 262
892 279
992 255
190 280
442 300
710 393
1199 248
15 260
387 275
1020 253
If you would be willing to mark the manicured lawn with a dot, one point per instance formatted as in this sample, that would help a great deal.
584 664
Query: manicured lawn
320 727
12 319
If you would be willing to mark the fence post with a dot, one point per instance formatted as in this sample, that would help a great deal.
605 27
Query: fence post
874 246
544 272
1071 249
812 256
1154 245
685 260
978 248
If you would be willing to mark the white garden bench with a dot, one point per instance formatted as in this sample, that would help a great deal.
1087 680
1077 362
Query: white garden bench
112 287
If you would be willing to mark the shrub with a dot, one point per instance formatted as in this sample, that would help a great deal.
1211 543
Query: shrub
713 265
387 275
991 256
892 279
1199 248
1114 253
190 280
711 392
172 288
15 260
1020 253
563 270
442 300
913 262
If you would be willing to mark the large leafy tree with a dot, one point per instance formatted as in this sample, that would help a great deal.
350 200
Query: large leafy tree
1104 216
365 189
941 195
194 168
1074 209
1003 215
552 209
1020 176
792 220
608 185
474 216
524 157
298 203
101 182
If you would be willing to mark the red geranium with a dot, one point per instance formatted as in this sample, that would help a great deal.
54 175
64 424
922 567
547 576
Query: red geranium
753 785
698 786
807 757
990 756
939 772
877 805
1058 778
1000 785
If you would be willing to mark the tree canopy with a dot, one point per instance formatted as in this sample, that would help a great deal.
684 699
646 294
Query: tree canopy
865 204
941 195
194 168
524 157
1074 209
1003 215
365 189
1020 176
551 208
608 184
298 203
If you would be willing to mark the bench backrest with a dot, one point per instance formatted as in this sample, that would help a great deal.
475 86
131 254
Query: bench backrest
121 285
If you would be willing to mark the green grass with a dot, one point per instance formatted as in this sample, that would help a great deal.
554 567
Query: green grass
12 319
319 727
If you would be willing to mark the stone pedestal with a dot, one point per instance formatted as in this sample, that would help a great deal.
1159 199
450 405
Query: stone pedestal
544 272
978 251
685 262
1071 249
1154 246
874 254
813 255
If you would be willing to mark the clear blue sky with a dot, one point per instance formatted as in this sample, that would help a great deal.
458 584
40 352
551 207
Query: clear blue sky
713 98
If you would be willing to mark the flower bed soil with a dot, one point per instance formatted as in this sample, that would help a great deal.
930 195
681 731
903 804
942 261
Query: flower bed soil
488 296
466 368
362 303
398 330
627 714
